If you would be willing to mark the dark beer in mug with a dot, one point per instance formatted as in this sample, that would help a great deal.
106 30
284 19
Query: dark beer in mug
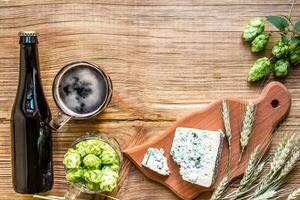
82 89
30 131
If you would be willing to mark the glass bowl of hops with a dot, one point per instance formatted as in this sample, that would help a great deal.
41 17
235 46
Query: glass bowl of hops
92 165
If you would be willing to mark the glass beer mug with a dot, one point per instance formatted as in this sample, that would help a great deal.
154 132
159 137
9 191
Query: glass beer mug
80 90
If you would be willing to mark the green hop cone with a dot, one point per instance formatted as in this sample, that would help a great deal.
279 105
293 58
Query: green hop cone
280 49
95 146
109 180
92 186
72 159
90 146
281 68
260 69
260 42
253 28
81 148
91 161
92 175
114 167
74 175
294 54
109 157
107 147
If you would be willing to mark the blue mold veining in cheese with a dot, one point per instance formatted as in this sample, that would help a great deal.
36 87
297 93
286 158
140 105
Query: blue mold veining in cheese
155 160
198 153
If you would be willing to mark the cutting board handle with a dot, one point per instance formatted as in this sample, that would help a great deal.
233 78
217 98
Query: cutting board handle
275 101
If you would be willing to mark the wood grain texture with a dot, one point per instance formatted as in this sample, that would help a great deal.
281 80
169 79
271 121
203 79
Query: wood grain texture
166 59
210 118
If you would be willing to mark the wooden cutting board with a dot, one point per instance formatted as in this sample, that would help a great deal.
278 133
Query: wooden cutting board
271 107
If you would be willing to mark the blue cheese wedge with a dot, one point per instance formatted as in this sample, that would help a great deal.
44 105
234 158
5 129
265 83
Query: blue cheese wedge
155 160
198 153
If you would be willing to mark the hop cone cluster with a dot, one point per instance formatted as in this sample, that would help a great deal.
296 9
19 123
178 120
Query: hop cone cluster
280 49
94 164
253 28
294 54
281 68
285 52
260 69
260 42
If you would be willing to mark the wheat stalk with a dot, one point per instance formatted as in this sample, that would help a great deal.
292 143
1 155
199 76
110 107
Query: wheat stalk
258 171
294 195
280 158
252 172
226 121
249 186
247 126
280 148
219 191
253 159
267 195
283 161
289 165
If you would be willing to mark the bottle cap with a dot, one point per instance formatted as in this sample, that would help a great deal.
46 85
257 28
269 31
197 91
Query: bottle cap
28 37
28 33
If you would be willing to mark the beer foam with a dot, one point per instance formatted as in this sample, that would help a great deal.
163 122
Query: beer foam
82 89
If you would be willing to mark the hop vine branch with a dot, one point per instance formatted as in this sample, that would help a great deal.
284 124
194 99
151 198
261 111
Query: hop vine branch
285 52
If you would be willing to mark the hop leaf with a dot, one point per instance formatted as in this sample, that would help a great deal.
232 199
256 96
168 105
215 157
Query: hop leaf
284 39
297 26
253 28
281 68
260 69
296 39
280 49
260 42
278 22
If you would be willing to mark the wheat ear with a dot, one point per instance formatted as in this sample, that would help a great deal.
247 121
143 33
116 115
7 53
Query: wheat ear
219 191
291 163
250 169
281 157
227 126
247 125
252 172
267 195
284 157
294 195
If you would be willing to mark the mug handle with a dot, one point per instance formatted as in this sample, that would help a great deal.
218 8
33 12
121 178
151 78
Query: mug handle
59 120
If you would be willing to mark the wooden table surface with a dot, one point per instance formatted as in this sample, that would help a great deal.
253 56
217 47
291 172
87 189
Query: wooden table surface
165 58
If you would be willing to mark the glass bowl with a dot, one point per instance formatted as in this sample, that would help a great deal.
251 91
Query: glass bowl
78 189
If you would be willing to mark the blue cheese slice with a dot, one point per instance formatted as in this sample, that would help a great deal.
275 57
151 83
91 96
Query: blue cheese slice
155 160
198 153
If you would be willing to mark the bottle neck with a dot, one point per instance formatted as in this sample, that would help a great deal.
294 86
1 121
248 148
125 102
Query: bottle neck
29 60
30 92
